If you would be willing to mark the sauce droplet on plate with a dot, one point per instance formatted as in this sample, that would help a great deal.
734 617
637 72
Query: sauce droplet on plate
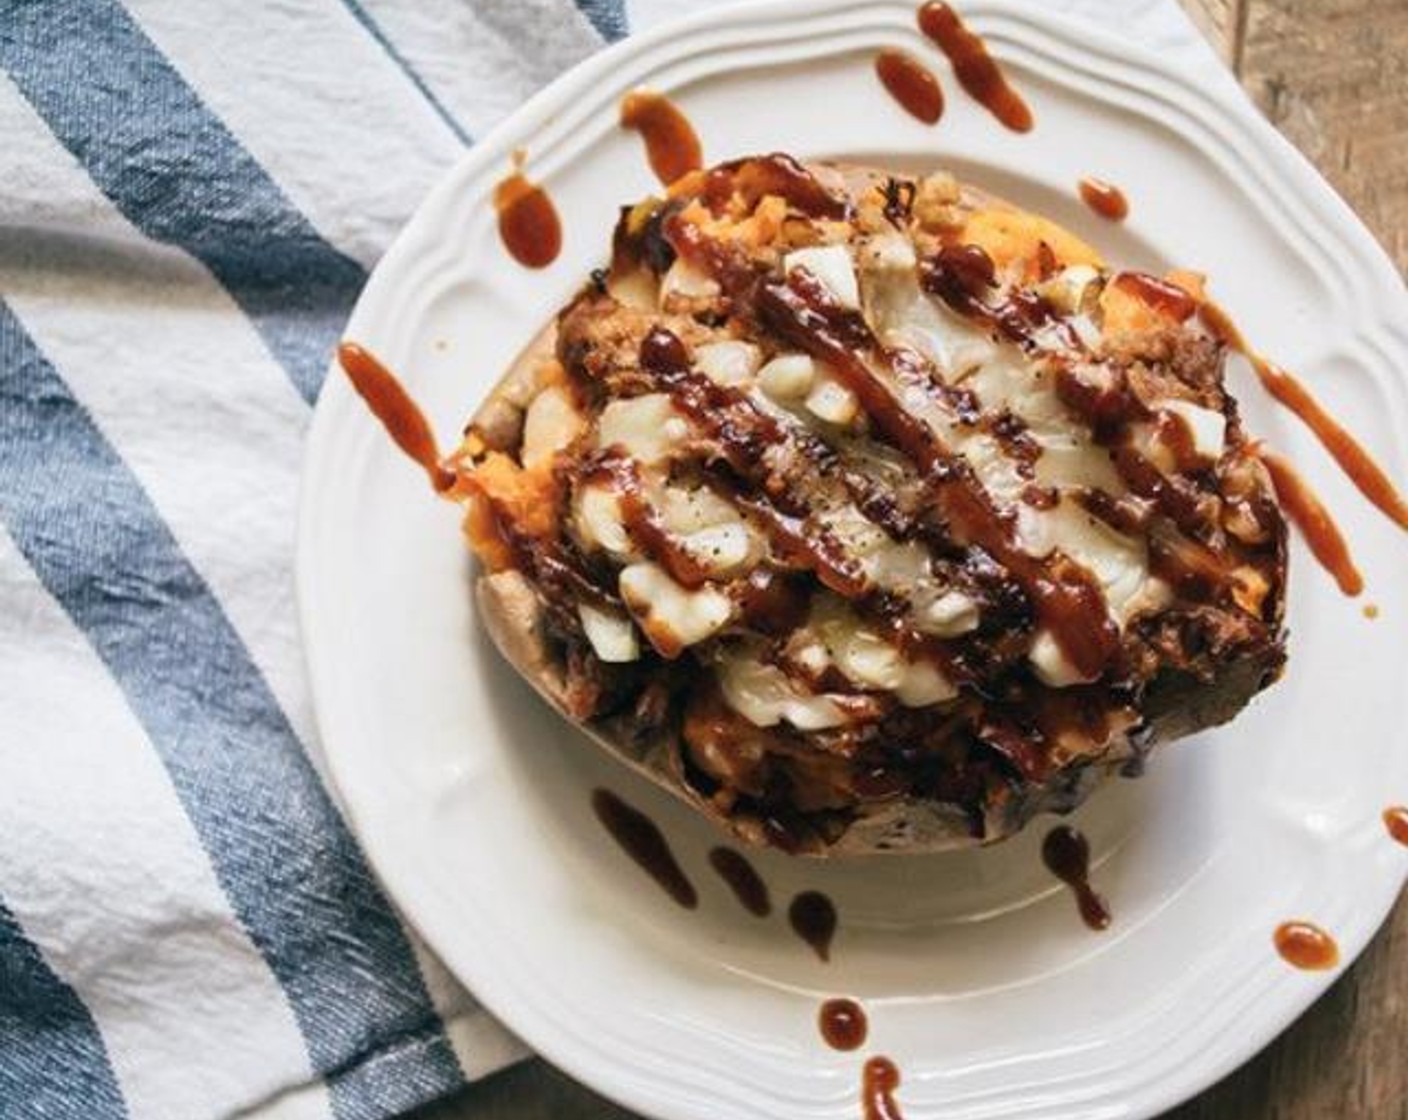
1104 198
912 84
671 144
1306 946
843 1024
1358 465
743 879
1371 610
1066 854
1396 821
1313 520
879 1079
975 69
399 415
813 918
1367 476
640 839
528 223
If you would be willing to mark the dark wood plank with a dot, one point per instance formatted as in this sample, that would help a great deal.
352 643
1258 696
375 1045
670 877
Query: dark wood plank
1333 76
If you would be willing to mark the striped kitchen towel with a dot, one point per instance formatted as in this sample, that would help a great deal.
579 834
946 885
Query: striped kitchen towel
191 195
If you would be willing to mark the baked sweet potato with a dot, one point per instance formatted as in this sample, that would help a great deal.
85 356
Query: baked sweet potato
868 513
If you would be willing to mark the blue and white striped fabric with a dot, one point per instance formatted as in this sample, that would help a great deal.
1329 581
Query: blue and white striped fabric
191 195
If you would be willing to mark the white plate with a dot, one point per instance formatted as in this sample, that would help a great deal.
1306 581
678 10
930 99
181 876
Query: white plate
472 798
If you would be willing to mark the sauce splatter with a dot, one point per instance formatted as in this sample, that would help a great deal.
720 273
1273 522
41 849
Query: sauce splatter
745 882
1104 198
1396 821
912 84
1311 517
528 223
1366 474
1306 946
1368 477
640 839
1371 611
813 918
804 313
1066 854
671 144
399 415
843 1024
879 1079
975 69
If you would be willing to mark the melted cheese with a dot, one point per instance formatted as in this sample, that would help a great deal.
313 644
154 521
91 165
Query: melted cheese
834 635
788 377
688 510
1003 379
764 695
687 281
947 614
902 315
722 550
647 428
550 424
1051 664
832 403
833 269
611 635
670 613
1119 564
1208 427
729 362
599 521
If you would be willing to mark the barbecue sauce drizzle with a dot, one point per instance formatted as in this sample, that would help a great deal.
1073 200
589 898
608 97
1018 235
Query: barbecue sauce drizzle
528 223
1306 946
745 432
743 879
1066 854
1357 464
671 145
399 415
1068 602
911 83
880 1077
640 838
843 1024
622 477
1313 520
1368 477
973 66
1104 198
812 917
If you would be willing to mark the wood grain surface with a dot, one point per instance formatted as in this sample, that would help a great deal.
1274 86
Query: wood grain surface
1332 75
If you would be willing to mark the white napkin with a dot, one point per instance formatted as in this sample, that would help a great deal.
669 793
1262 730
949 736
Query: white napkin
193 192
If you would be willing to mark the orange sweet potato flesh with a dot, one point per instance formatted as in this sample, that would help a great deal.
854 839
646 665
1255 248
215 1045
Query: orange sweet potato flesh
502 491
1013 240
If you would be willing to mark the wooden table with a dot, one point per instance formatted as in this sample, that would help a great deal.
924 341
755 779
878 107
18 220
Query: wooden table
1333 76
